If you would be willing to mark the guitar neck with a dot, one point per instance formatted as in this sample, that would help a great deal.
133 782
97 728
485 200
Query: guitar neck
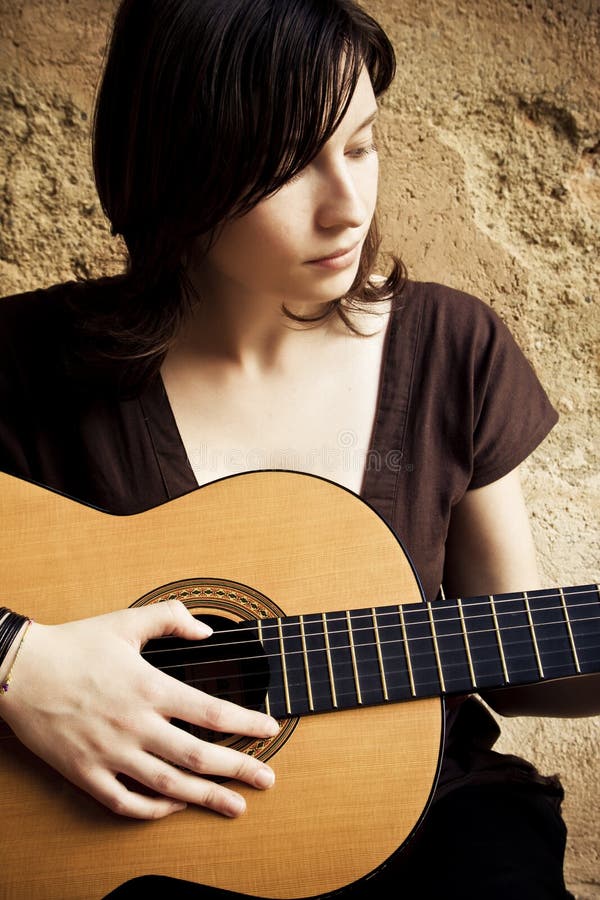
340 660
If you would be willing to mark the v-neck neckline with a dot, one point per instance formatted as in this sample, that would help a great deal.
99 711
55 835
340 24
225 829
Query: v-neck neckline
174 464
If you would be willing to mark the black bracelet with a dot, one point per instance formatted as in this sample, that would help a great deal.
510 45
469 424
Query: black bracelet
9 629
4 685
6 626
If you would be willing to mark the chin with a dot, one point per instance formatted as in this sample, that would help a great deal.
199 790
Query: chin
311 291
335 284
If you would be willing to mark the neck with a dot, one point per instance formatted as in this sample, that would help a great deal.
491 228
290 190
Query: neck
381 654
245 328
322 662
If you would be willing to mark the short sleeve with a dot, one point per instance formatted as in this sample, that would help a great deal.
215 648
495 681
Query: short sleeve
460 407
32 328
13 402
512 413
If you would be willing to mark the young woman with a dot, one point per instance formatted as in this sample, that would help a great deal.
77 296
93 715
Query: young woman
234 152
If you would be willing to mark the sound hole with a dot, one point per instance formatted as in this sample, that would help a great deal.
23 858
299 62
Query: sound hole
231 664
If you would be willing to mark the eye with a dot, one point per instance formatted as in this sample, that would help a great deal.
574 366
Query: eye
360 152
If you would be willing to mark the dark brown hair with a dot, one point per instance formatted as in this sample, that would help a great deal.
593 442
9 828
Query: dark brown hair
205 108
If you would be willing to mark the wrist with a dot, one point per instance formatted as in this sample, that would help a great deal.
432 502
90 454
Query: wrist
11 652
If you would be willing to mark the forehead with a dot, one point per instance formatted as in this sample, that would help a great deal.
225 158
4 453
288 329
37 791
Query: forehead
362 105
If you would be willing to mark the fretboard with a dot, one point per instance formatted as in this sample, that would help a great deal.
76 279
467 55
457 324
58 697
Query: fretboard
339 660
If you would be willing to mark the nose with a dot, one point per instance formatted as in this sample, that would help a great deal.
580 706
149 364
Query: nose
341 201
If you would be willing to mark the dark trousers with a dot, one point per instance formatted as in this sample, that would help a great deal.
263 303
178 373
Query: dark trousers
489 842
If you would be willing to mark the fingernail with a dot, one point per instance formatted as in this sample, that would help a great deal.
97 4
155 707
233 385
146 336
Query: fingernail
237 805
204 628
264 778
272 727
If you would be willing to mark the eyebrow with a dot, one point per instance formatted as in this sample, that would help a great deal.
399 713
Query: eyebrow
367 121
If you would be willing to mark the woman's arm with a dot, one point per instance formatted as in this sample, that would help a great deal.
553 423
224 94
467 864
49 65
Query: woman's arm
490 550
98 715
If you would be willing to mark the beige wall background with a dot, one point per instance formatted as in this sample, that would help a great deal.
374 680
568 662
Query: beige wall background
490 150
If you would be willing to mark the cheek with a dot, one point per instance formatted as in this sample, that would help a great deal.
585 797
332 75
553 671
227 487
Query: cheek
272 237
372 183
238 247
256 250
267 226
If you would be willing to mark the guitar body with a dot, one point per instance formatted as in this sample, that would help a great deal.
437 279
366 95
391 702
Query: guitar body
351 785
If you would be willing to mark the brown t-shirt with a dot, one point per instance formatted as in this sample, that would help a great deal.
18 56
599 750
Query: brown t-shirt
459 407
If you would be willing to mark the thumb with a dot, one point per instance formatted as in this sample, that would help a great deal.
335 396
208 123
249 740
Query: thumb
171 617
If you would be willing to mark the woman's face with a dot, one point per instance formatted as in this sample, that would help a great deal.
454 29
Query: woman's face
277 249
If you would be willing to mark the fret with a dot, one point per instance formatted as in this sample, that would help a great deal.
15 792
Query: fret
481 637
466 642
569 630
436 649
342 662
260 638
533 635
424 666
295 666
286 688
318 665
386 696
454 661
311 704
583 604
269 636
555 645
498 638
329 661
394 648
517 638
368 669
353 656
407 652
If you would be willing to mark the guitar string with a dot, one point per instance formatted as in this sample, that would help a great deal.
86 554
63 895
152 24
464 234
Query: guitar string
349 677
413 654
410 640
385 642
423 620
420 610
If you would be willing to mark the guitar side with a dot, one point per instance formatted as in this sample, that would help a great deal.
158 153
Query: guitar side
351 785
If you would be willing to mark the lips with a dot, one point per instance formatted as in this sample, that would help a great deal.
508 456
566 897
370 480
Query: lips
336 253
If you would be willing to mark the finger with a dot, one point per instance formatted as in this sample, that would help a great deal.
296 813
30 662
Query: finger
112 793
174 783
181 701
172 744
170 617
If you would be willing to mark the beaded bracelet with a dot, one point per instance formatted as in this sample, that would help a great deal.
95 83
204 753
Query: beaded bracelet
5 684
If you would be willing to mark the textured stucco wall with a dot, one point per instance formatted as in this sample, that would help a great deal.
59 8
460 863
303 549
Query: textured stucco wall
490 149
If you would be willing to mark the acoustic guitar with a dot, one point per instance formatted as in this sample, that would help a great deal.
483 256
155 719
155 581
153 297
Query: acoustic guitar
319 619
